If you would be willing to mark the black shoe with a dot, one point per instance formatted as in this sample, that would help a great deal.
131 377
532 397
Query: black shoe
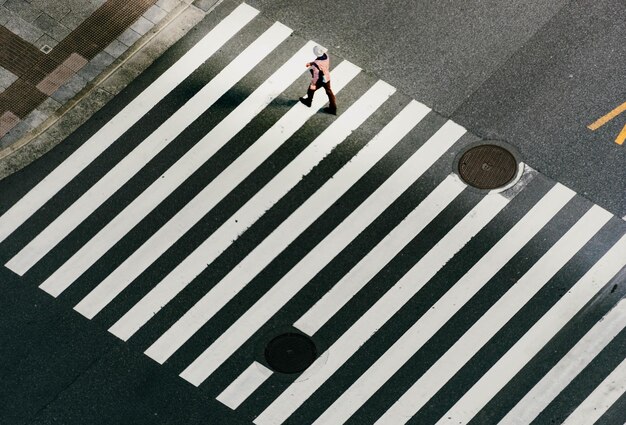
330 110
305 101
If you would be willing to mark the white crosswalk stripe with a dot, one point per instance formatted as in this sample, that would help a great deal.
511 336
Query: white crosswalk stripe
296 279
533 403
287 232
131 164
601 399
448 305
436 377
202 151
251 211
120 174
541 332
378 257
386 307
203 202
273 300
244 385
402 180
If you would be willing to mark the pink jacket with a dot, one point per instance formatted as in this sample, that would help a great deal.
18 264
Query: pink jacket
323 66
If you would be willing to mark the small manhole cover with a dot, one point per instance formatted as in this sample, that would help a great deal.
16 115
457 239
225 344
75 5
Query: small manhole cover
487 167
290 353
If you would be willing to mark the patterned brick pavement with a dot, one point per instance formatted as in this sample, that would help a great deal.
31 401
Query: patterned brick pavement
50 50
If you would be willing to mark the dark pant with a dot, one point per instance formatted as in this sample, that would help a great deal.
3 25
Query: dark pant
329 93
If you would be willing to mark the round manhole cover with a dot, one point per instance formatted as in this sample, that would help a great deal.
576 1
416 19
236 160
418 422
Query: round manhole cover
487 166
290 353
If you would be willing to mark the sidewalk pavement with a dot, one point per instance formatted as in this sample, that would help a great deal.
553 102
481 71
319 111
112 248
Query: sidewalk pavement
62 60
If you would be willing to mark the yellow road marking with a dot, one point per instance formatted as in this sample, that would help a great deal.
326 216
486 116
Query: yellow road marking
621 137
608 117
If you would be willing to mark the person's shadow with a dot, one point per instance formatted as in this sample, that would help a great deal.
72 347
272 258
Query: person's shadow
285 102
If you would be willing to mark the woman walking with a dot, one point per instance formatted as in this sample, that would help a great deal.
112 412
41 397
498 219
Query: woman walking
320 77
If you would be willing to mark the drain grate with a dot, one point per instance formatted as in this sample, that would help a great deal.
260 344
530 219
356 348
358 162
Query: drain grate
487 167
290 353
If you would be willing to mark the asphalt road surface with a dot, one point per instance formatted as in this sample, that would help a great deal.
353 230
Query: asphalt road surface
533 73
152 258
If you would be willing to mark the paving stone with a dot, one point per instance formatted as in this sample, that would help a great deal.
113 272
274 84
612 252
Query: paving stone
116 48
96 66
23 9
168 5
5 15
129 37
18 55
45 40
82 12
103 59
75 62
97 3
155 14
80 5
55 79
24 29
21 98
16 133
35 118
77 83
204 4
69 89
73 19
87 9
55 8
49 106
6 78
8 120
142 25
59 32
51 26
45 22
176 29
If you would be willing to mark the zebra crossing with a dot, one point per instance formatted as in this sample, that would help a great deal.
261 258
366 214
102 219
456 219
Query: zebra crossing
431 301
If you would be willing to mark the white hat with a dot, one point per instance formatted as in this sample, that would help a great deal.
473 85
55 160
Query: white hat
319 50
